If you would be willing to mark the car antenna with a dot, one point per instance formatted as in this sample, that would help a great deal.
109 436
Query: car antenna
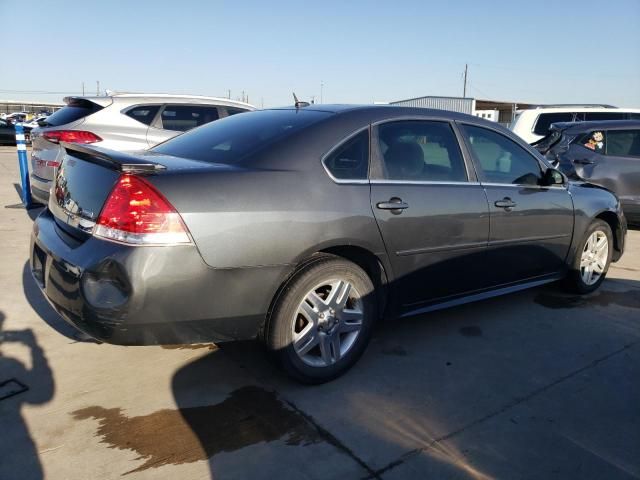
298 103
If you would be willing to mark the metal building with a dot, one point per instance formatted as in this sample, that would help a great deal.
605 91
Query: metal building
496 110
10 106
454 104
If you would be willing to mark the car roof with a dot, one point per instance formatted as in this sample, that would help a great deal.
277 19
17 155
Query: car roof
576 108
162 98
385 111
595 125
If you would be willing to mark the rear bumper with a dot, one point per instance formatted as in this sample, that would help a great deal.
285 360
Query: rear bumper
40 188
148 295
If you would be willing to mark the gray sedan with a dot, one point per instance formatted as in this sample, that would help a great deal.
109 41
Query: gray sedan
302 226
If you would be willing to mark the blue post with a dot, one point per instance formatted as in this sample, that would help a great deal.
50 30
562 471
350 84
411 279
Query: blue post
24 165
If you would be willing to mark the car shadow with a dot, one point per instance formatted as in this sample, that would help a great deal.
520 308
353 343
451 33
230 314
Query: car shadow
34 209
422 381
20 386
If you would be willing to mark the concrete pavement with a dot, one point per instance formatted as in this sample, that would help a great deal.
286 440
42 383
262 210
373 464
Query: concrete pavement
537 384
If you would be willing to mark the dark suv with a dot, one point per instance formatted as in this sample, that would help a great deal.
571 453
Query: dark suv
606 153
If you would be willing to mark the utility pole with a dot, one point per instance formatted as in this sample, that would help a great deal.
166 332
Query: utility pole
464 90
229 94
98 88
83 89
321 88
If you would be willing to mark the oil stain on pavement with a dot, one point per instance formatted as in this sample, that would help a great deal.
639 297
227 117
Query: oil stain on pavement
248 416
628 299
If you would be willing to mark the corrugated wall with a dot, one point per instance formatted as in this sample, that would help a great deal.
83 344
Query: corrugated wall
454 104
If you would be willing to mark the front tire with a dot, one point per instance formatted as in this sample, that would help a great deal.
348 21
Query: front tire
322 322
592 259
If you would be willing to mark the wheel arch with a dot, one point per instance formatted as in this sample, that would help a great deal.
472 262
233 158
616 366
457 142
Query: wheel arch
611 218
371 263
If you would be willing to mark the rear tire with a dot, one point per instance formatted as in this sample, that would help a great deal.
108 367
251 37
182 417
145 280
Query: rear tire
322 321
592 259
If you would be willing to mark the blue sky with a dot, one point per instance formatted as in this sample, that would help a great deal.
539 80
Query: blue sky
536 51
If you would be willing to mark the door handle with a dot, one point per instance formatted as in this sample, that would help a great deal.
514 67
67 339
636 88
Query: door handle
395 204
505 203
583 161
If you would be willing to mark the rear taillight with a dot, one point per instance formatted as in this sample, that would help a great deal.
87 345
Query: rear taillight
136 213
71 136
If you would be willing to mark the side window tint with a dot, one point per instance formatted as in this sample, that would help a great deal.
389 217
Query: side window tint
144 113
624 143
185 117
421 151
500 159
595 141
594 116
350 161
546 119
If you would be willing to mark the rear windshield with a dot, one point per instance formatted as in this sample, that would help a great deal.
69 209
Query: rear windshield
544 145
75 110
231 139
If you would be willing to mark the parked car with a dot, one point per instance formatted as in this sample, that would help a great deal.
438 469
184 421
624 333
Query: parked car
533 124
36 121
604 153
8 133
124 122
16 117
302 226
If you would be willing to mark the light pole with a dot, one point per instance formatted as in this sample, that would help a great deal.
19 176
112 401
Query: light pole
321 88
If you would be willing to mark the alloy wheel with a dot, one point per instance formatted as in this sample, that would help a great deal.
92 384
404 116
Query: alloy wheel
594 257
327 323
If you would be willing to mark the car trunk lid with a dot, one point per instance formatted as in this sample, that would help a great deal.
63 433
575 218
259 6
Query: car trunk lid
87 176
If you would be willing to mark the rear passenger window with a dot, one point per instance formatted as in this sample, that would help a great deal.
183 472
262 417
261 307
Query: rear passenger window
546 119
143 113
595 141
500 159
623 143
421 151
185 117
594 116
350 161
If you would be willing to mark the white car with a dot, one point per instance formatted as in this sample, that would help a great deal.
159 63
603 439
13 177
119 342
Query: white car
124 122
533 124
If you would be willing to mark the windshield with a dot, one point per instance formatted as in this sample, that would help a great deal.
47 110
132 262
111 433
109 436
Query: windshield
231 139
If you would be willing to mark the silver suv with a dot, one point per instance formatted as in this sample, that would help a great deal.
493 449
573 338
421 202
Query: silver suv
125 122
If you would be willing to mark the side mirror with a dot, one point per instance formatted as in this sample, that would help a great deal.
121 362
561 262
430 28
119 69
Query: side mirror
553 177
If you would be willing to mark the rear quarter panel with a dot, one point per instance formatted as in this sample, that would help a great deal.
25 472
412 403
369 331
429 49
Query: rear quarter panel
280 210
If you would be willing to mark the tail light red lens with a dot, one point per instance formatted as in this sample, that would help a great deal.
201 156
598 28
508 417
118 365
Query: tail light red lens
136 213
71 136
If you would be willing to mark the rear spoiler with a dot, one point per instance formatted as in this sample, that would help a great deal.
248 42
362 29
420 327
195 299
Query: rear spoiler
121 161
